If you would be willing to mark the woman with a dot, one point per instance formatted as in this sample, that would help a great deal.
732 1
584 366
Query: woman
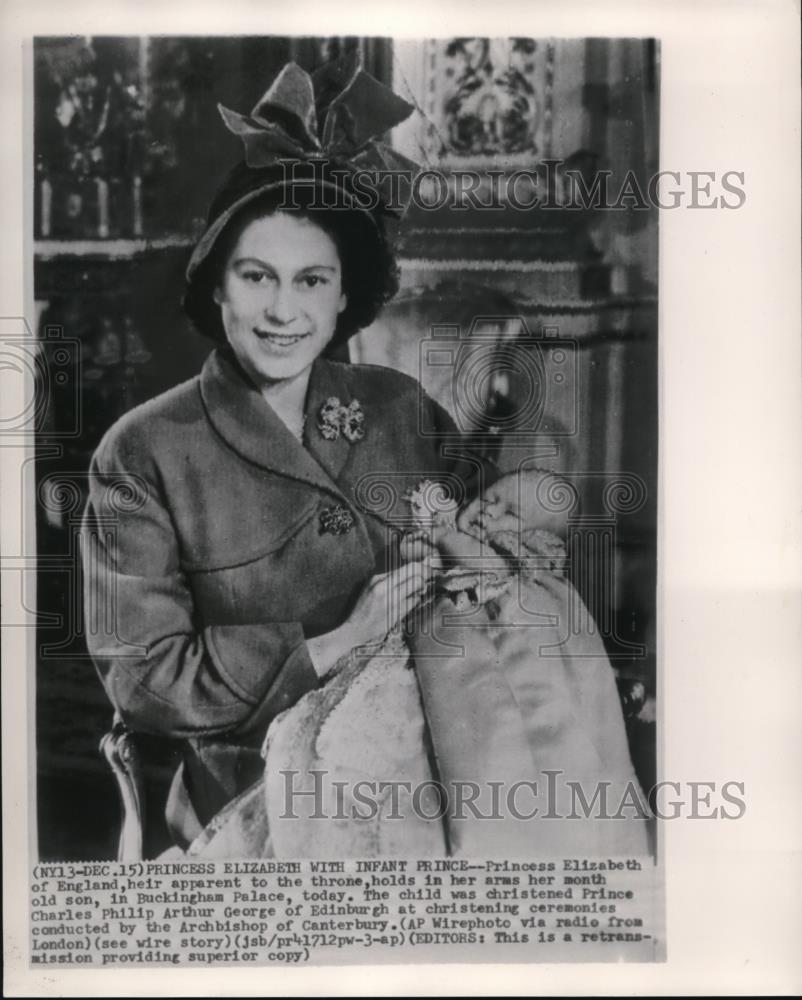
243 563
277 517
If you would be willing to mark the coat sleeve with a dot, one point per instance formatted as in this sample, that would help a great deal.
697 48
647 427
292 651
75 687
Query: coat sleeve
163 672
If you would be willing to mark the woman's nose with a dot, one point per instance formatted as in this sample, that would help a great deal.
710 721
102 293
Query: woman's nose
280 306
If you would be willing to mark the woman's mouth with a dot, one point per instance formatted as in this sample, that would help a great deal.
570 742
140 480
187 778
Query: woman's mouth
283 340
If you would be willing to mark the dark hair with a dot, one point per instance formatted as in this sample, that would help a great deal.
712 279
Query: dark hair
369 268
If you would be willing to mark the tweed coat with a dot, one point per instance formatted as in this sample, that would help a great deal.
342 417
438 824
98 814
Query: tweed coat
211 555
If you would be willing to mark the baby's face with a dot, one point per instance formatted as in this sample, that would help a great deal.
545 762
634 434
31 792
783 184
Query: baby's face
478 539
519 501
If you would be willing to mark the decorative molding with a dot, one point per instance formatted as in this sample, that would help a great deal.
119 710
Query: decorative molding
484 101
117 249
486 264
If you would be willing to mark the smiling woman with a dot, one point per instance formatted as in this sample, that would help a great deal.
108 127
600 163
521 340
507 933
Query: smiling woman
281 284
259 555
280 295
367 266
248 562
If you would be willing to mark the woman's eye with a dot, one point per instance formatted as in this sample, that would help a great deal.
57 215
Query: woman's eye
256 277
312 280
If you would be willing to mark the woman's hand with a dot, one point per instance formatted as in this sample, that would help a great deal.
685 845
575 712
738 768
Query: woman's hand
386 600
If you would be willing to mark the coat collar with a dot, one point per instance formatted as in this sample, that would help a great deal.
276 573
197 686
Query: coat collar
248 425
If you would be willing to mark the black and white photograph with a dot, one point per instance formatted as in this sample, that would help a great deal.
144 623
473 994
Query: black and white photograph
343 498
357 436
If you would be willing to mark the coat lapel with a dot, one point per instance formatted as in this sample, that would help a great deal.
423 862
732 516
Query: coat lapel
249 426
327 379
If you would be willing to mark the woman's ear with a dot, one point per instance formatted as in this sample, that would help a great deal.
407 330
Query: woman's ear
217 295
343 302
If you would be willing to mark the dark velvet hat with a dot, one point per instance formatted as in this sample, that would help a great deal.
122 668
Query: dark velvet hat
321 130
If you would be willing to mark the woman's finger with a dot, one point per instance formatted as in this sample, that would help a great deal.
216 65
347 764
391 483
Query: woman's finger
410 602
393 578
414 574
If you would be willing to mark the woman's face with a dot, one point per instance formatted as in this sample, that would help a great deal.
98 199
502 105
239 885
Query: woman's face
280 296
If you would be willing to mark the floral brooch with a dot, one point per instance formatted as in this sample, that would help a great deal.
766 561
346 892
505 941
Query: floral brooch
334 419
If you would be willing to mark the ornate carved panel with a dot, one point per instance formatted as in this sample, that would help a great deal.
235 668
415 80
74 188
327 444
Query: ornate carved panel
481 99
